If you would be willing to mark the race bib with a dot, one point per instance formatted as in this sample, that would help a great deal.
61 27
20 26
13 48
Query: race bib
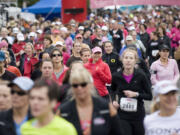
128 104
155 52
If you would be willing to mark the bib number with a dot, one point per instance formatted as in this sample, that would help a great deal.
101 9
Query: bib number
128 104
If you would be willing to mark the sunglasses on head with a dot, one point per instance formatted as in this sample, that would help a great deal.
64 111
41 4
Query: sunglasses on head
84 84
20 93
54 55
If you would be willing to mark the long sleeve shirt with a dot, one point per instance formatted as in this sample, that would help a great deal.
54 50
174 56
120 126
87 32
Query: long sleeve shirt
160 72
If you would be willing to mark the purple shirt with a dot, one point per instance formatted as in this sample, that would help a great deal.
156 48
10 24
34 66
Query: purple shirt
128 77
167 72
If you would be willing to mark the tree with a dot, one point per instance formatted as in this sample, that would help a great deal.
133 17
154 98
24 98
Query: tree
29 2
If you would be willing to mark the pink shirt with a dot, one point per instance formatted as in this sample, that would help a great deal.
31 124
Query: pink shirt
161 72
128 77
150 30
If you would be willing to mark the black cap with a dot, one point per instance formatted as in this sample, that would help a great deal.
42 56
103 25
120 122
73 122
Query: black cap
164 47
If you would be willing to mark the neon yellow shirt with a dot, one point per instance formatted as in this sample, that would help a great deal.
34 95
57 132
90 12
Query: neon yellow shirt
58 126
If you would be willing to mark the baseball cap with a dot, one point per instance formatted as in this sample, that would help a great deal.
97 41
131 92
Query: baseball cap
164 87
113 21
78 36
105 28
81 28
15 30
3 43
64 29
164 47
24 83
32 34
56 31
20 37
129 38
59 43
2 56
96 49
39 31
131 28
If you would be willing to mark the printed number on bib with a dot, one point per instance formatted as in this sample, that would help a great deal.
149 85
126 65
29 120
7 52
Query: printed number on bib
128 104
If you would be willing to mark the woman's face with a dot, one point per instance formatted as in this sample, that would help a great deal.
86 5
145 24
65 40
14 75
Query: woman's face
47 69
46 42
164 54
57 57
128 60
169 101
28 50
108 48
86 56
142 27
96 56
5 98
39 102
160 30
60 48
4 48
81 90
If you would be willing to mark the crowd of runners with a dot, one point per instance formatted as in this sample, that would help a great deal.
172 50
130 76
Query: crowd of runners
91 78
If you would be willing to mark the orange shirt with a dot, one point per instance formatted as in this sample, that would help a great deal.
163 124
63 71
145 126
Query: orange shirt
14 70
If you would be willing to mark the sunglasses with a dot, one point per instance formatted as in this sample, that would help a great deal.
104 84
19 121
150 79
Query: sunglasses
54 55
84 84
20 93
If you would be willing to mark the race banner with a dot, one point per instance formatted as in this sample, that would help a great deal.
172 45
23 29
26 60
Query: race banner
103 3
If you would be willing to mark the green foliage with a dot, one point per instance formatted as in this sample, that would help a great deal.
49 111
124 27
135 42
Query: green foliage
29 2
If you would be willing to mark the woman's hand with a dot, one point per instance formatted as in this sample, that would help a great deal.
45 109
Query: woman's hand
130 94
115 104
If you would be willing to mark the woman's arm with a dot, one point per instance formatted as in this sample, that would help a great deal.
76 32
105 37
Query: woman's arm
153 74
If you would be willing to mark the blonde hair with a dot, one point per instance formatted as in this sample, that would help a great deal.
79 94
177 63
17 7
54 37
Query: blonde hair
83 45
133 50
9 59
29 44
80 74
155 105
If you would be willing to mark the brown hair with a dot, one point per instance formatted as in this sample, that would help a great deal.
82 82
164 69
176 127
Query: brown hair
84 50
48 38
51 85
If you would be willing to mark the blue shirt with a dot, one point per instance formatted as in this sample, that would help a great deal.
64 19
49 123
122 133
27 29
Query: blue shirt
18 126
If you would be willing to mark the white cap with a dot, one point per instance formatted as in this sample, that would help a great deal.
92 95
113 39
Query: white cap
105 28
64 29
113 21
164 87
58 23
131 28
142 21
92 15
15 30
20 37
131 23
23 83
53 23
81 28
129 37
39 31
59 43
32 34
